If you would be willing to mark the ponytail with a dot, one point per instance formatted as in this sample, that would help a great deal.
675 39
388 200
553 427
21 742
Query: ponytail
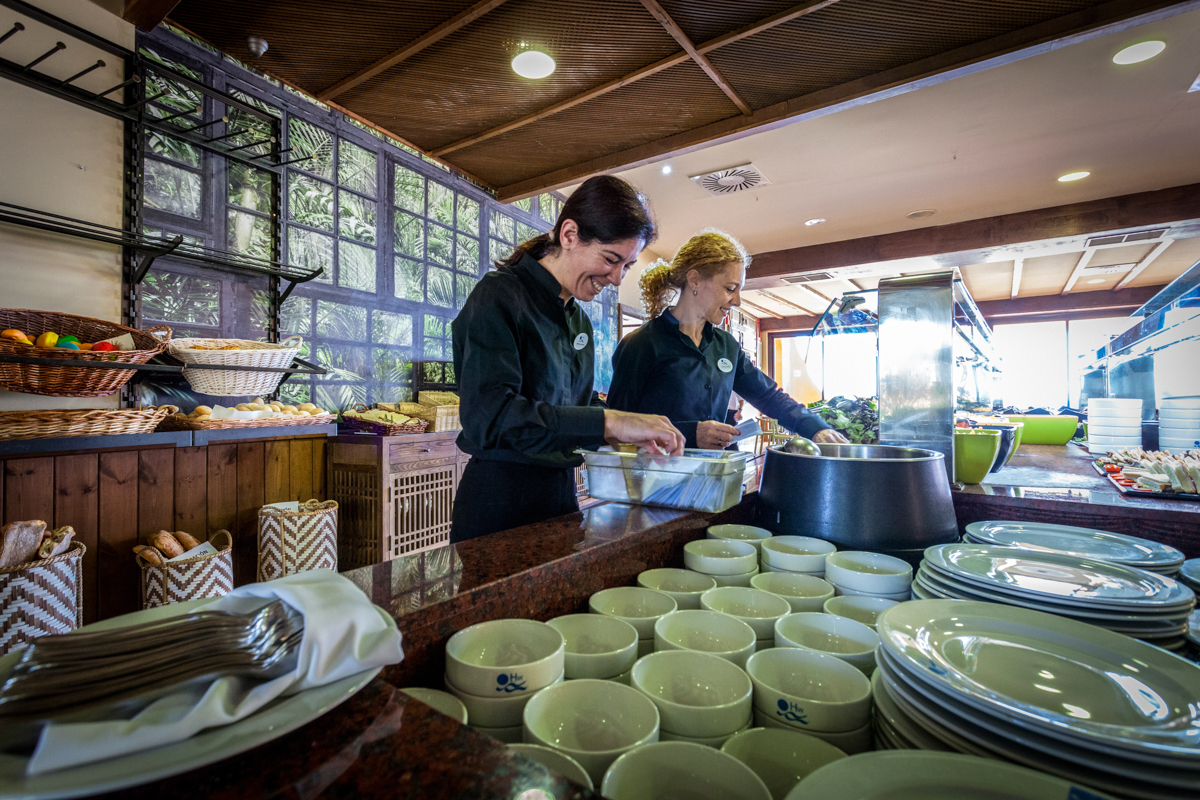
708 252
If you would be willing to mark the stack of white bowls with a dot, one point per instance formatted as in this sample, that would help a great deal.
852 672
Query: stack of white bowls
555 761
684 586
444 702
700 698
495 668
814 693
1114 424
796 554
727 561
681 769
803 592
857 607
741 533
707 632
869 575
637 605
781 758
1178 424
755 607
841 637
597 646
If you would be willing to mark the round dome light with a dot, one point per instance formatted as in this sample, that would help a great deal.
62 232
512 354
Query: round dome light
814 221
1072 176
1142 51
533 64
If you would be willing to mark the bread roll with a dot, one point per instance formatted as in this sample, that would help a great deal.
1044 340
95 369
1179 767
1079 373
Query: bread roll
306 406
202 411
19 541
188 541
166 544
149 554
242 407
56 542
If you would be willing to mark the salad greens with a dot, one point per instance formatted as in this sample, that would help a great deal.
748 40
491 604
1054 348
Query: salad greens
857 420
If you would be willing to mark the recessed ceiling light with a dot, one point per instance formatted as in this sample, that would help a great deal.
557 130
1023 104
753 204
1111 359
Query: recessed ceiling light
1072 176
921 213
814 221
533 64
666 169
1097 280
1142 51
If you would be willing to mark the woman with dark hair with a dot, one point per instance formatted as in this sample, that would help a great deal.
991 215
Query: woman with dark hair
523 354
682 365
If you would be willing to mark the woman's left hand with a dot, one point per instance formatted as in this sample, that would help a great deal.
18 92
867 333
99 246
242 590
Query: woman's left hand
829 436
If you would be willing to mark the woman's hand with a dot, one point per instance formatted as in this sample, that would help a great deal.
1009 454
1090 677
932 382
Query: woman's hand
715 435
650 431
829 436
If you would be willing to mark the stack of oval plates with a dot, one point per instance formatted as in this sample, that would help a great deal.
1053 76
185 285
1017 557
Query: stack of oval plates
1189 573
1137 603
1072 700
1116 548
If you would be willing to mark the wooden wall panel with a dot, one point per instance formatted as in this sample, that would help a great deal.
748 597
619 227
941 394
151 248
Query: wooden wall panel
117 573
76 496
302 469
222 487
29 489
318 469
156 492
277 485
191 491
251 474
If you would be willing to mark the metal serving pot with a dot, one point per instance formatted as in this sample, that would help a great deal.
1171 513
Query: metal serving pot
860 497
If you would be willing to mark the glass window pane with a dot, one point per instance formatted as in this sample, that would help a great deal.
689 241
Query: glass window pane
392 367
172 189
410 190
441 244
468 215
525 204
525 232
253 131
356 217
345 363
340 397
434 326
308 140
466 256
172 297
462 288
499 251
441 287
175 149
249 187
409 234
1035 363
441 203
546 208
502 226
390 328
356 168
311 250
249 234
434 372
310 201
356 266
341 321
296 316
410 279
295 392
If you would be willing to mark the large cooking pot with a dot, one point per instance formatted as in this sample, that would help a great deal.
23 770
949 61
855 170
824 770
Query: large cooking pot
860 497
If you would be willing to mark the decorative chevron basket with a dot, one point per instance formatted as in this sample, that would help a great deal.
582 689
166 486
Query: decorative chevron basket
190 579
297 541
40 598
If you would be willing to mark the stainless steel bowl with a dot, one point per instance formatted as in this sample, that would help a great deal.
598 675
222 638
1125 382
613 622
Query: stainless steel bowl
860 497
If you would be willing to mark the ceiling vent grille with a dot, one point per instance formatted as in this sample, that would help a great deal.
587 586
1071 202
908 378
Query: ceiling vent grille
1107 269
808 277
734 179
1125 238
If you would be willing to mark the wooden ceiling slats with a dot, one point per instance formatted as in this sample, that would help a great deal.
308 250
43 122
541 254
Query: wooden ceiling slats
689 47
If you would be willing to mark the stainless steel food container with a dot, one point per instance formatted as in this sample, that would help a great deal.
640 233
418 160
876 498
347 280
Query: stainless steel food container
699 480
860 497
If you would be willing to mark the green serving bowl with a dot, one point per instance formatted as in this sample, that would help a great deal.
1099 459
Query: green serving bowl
1046 428
975 453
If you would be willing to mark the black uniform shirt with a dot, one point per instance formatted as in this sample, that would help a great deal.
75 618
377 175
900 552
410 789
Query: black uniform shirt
524 363
658 369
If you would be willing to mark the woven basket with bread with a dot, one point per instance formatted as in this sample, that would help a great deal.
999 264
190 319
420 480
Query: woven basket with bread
166 580
41 582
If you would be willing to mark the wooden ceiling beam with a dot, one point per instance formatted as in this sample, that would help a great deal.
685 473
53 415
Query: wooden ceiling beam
1080 266
423 41
787 15
756 307
676 33
1018 268
147 14
1098 303
1141 265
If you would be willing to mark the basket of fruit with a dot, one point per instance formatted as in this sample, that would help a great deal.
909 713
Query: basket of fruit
67 337
381 421
237 353
256 414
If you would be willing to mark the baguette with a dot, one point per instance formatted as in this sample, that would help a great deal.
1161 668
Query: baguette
166 544
188 541
149 554
56 542
19 542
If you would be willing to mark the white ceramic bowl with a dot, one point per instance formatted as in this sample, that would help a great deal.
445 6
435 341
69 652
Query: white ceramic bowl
706 632
781 758
598 646
593 722
684 586
898 597
1175 429
1113 418
444 702
850 641
859 608
500 711
1178 414
1131 440
849 742
868 572
707 741
809 691
1111 404
756 608
741 579
1115 431
681 769
504 735
1190 402
504 656
624 677
638 606
803 592
697 694
797 553
764 644
741 533
554 760
720 556
1175 445
769 568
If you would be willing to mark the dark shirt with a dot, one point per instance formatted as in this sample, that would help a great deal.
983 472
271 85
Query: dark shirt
524 363
658 369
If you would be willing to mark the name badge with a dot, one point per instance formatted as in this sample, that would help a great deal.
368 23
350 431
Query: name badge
725 365
581 342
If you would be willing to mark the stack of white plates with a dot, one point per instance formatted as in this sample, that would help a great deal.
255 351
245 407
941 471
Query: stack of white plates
1066 698
1140 604
1179 424
1114 424
1189 573
1115 548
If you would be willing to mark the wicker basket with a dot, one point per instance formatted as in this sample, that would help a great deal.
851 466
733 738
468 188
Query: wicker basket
382 428
437 398
80 422
440 418
72 381
190 579
41 598
180 422
297 541
234 383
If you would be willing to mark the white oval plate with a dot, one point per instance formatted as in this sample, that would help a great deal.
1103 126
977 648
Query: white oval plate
1042 537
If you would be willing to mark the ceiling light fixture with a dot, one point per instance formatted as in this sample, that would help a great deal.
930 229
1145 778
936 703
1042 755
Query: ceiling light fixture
1142 51
1097 280
533 64
814 221
1072 176
921 213
666 169
256 45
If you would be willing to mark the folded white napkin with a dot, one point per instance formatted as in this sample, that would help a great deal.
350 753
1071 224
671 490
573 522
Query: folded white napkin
344 634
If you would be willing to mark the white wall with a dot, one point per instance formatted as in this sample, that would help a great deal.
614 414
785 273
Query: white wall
64 159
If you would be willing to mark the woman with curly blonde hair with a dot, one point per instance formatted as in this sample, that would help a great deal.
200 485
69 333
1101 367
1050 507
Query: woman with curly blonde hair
682 365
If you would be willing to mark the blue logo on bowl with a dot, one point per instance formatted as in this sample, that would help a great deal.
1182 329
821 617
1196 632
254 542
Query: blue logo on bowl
790 711
510 683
